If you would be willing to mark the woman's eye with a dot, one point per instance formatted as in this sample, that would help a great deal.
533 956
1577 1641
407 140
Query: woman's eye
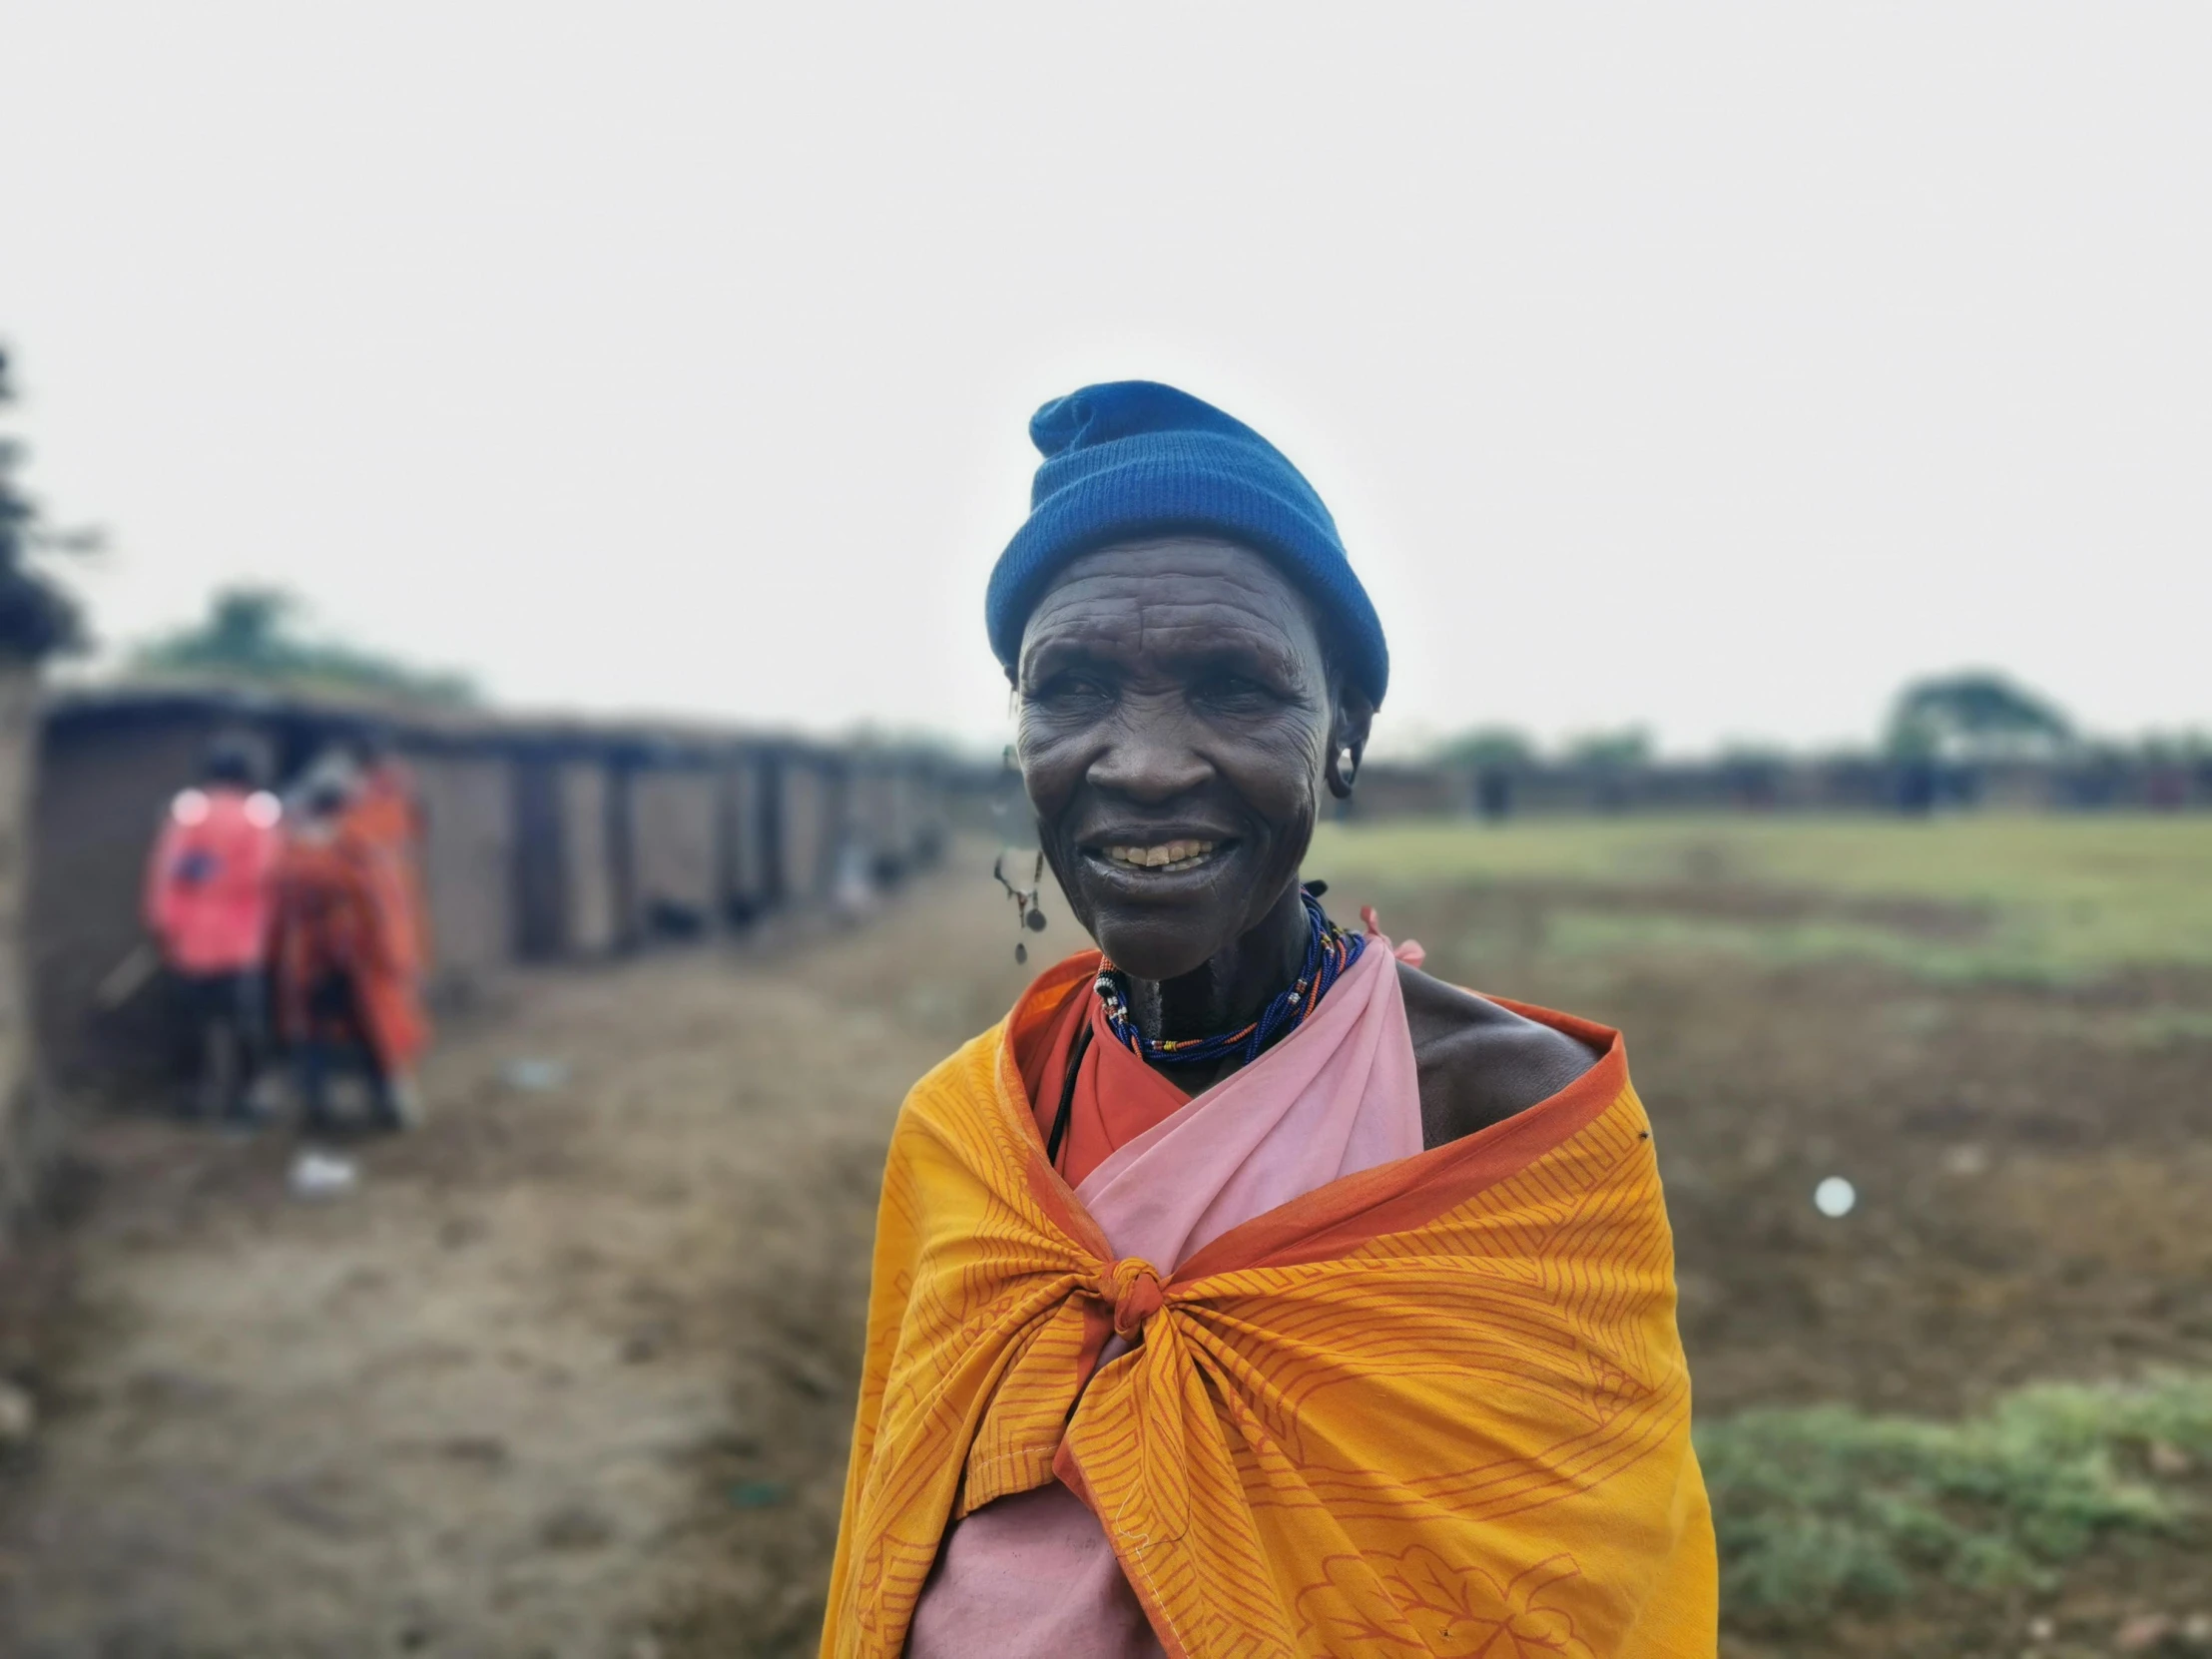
1232 689
1071 690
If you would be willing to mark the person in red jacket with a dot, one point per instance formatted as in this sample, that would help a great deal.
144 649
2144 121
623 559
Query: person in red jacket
208 891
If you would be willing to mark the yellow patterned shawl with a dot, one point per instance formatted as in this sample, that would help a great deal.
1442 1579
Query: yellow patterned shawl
1436 1407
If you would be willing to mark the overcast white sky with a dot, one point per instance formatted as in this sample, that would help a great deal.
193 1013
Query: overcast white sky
1711 370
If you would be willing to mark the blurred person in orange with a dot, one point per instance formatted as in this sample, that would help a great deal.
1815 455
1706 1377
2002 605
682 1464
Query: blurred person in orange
1246 1290
385 819
207 905
342 955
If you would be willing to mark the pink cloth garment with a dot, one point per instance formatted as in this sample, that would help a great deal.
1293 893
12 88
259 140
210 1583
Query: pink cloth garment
208 885
1032 1576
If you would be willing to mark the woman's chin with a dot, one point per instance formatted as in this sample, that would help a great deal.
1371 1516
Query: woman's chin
1149 952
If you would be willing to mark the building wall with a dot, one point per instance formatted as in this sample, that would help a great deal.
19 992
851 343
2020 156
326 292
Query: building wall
538 884
27 1127
542 843
746 885
675 820
873 798
809 855
468 806
1384 791
592 926
103 788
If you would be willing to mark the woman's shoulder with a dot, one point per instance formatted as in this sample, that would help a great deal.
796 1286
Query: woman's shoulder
1479 1062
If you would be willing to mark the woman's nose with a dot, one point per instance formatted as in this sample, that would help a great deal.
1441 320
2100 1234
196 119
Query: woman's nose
1148 761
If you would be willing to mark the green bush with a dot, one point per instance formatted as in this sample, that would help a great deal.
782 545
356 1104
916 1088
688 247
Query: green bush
1826 1507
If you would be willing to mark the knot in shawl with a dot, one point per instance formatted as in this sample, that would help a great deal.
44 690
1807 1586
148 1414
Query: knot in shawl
1132 1290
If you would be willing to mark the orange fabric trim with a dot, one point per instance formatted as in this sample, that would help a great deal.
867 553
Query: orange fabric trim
1396 1198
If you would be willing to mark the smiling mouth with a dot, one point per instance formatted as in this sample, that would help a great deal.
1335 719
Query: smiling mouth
1161 859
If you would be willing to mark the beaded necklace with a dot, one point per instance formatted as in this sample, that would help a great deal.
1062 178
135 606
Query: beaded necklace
1329 951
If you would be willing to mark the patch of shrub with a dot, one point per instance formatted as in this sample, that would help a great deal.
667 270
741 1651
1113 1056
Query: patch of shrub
1823 1508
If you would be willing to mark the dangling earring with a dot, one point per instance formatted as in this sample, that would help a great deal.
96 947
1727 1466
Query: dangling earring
1027 913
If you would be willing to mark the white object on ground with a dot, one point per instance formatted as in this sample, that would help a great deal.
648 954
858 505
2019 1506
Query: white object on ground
321 1175
1835 1197
18 1414
533 1076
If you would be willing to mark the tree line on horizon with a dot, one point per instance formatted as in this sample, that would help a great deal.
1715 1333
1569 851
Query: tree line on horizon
256 635
1975 717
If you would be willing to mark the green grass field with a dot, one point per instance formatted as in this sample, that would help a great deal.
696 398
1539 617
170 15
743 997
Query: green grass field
2045 899
1824 1507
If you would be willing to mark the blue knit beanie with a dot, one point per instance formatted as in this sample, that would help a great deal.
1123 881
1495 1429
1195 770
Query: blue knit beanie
1131 459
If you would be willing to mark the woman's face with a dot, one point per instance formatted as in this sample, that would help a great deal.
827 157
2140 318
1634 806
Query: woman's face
1177 734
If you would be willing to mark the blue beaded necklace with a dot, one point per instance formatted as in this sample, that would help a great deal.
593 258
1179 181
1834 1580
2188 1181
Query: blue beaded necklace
1329 951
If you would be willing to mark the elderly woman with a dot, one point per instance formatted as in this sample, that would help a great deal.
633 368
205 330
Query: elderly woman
1247 1291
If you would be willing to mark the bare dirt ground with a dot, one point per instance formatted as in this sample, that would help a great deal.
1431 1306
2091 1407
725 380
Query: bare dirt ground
570 1374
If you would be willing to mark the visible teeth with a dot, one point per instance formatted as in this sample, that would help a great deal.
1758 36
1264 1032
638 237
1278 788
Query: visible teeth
1167 855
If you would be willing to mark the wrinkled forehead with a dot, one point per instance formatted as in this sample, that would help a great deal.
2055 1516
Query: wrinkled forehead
1173 599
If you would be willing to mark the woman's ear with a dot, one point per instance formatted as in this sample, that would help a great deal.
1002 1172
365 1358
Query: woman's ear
1347 742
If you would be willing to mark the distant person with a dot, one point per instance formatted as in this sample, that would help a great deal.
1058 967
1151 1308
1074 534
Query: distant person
853 891
1493 793
1246 1290
346 992
208 891
385 818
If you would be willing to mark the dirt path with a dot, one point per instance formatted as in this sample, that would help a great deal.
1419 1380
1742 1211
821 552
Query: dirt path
568 1375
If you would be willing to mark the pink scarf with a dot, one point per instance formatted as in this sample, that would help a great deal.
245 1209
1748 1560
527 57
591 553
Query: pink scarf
1032 1576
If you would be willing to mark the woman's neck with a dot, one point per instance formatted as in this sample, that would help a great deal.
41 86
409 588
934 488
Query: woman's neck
1231 987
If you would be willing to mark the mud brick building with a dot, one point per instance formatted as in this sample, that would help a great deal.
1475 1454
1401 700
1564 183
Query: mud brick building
545 839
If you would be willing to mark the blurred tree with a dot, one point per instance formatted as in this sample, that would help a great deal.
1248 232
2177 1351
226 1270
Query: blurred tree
251 635
1973 717
1622 750
36 617
1610 761
1488 746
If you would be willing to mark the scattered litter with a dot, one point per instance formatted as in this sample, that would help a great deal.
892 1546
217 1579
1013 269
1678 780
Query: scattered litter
2197 1628
1835 1197
18 1414
2041 1629
759 1495
1967 1159
322 1175
533 1076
